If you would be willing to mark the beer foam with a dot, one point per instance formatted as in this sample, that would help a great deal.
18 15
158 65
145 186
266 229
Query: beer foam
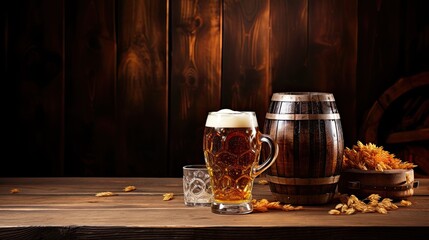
227 118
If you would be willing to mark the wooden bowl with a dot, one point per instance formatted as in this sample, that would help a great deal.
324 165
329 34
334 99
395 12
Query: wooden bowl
396 184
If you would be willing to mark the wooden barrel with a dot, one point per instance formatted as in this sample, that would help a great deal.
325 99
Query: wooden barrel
396 184
307 128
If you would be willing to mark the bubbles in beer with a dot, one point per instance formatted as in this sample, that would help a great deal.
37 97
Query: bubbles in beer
231 148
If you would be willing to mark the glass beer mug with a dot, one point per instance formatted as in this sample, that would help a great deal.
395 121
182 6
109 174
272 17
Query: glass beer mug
232 145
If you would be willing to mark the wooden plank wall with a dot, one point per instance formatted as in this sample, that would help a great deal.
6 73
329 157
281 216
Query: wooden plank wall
90 61
33 89
142 89
393 42
195 78
122 88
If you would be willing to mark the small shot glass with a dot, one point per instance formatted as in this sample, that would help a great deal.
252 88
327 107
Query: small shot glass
196 186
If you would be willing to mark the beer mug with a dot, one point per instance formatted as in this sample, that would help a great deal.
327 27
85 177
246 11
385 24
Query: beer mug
232 145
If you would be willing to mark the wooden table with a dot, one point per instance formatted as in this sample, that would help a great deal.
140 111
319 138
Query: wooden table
67 208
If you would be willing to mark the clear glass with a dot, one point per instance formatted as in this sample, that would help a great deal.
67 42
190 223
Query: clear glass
232 145
196 186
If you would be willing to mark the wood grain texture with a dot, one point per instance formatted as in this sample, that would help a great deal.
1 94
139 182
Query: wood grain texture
90 128
246 66
332 56
314 48
370 128
408 136
39 210
122 88
379 26
311 150
390 47
34 87
289 45
195 77
142 89
399 120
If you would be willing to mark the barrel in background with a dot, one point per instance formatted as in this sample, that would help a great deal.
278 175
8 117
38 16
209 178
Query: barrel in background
307 128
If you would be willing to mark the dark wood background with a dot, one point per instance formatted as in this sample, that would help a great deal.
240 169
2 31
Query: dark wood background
122 88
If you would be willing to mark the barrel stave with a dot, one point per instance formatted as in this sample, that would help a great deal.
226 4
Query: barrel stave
308 130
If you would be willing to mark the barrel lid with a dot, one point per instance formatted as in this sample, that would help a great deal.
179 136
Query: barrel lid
303 97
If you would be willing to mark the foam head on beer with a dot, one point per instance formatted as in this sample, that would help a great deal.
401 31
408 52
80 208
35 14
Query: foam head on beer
227 118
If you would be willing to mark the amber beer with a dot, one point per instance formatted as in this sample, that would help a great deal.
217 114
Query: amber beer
232 145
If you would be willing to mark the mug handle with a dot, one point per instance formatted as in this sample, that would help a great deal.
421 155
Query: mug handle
274 152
